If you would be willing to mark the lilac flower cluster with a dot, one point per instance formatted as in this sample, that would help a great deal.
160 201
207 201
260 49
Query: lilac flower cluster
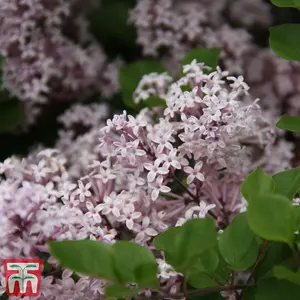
35 208
172 28
178 26
275 80
149 172
78 140
41 63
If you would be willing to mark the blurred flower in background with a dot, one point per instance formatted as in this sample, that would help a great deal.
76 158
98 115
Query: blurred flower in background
50 54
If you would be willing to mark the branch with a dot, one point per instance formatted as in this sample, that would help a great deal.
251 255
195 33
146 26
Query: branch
184 187
217 289
200 292
194 197
259 259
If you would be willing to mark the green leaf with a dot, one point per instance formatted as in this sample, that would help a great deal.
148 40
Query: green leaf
249 293
115 35
284 40
286 3
124 262
191 242
86 257
154 101
119 291
168 242
208 262
11 115
257 182
274 289
238 245
290 123
208 56
275 253
135 263
130 77
201 280
208 271
223 272
183 245
271 217
287 183
281 272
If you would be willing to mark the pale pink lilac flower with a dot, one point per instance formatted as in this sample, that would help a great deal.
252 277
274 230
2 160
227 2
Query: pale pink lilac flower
111 205
155 170
93 211
144 230
83 190
129 216
194 173
199 211
157 187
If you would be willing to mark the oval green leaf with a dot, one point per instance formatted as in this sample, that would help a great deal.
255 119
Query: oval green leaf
285 42
87 257
271 217
286 3
282 272
238 244
290 123
135 263
182 245
257 182
287 183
